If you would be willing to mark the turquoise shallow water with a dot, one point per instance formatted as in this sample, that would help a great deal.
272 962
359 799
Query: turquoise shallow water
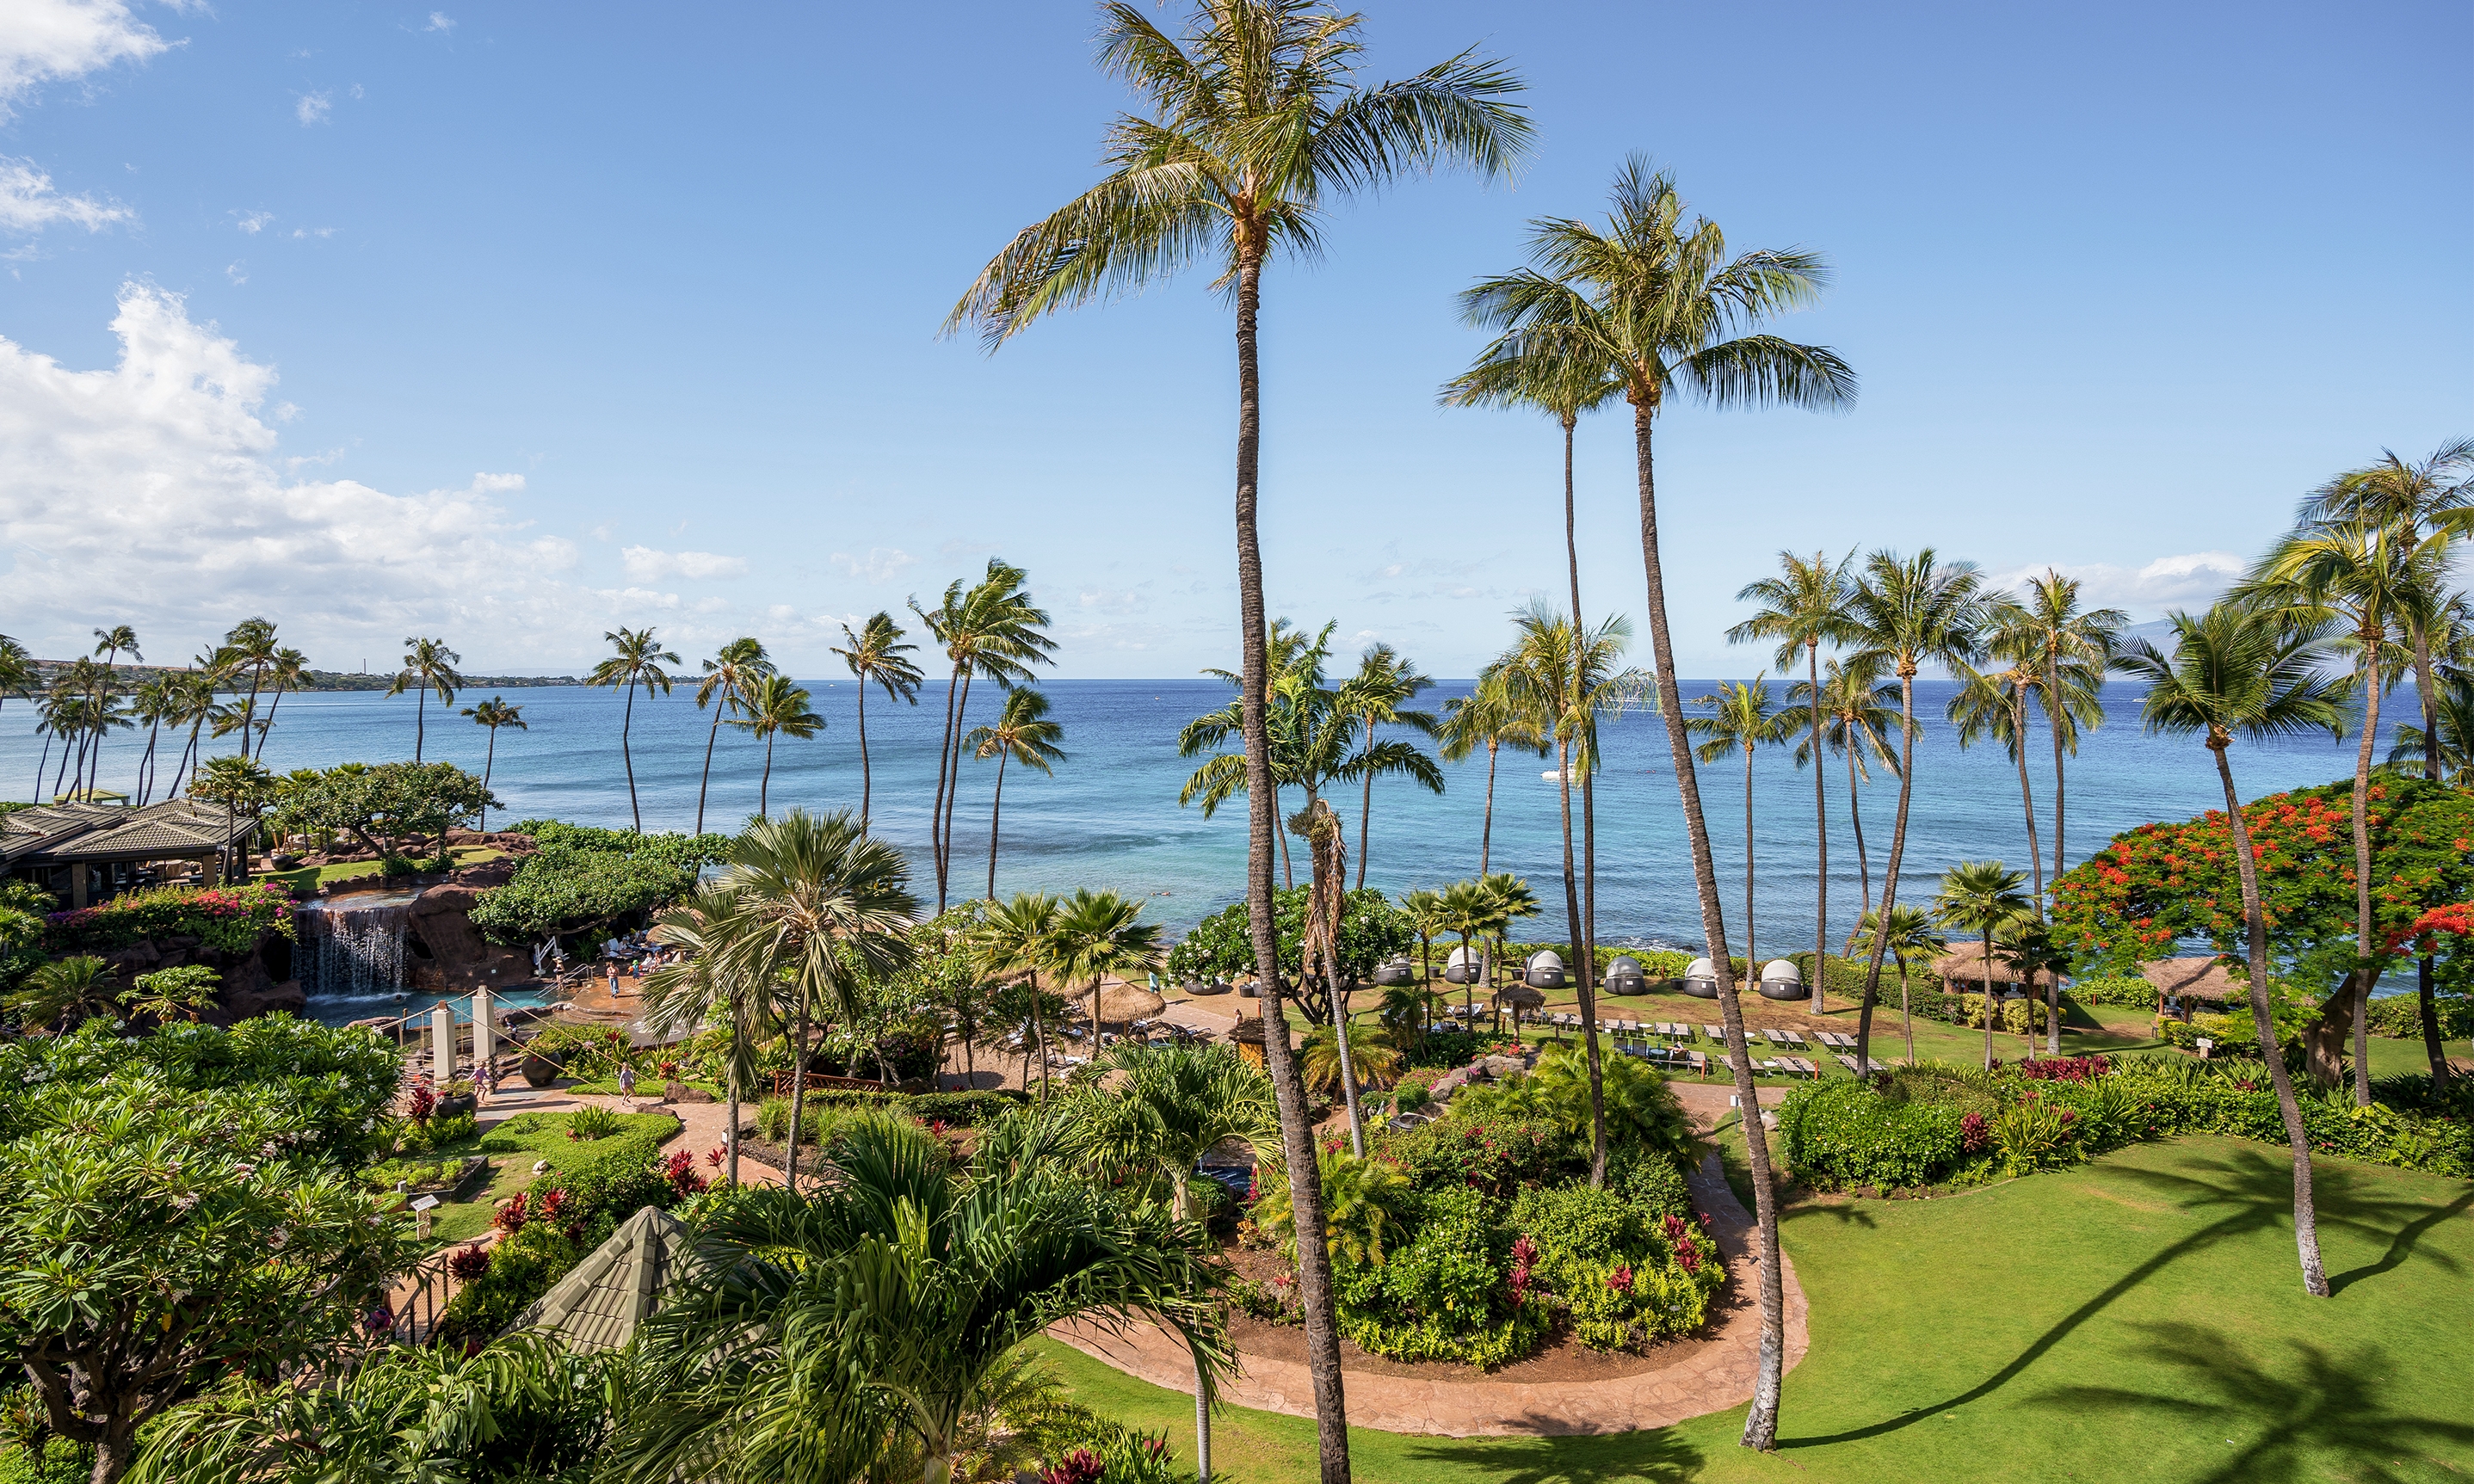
1109 815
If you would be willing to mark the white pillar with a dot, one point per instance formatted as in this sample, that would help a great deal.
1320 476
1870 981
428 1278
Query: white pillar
442 1043
485 1038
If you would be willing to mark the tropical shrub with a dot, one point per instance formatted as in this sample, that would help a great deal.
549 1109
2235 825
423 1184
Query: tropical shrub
586 1053
1839 1134
2034 1135
1474 1150
1649 1182
1222 945
522 1269
1078 1445
230 919
1444 1048
1364 1202
2226 1035
2129 991
2399 1017
586 878
1447 1295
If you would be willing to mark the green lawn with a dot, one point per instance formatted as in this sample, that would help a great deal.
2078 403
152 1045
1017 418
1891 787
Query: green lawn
2138 1318
308 878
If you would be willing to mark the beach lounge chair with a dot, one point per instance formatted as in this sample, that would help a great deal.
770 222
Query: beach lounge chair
1700 1063
1849 1062
1870 1064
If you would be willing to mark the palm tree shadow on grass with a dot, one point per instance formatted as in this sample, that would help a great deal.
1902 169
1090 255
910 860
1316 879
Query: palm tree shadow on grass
1653 1457
2329 1414
2402 1244
2255 1194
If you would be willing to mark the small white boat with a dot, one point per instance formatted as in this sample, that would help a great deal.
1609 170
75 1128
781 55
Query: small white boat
1556 776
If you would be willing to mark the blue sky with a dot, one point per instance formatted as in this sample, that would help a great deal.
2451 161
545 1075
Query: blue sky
512 324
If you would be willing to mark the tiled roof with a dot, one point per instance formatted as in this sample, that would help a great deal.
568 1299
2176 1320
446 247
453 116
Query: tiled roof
63 832
618 1286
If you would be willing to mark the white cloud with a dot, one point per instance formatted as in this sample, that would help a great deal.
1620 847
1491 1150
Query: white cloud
45 39
150 491
879 565
313 108
252 222
235 273
29 203
2188 579
646 564
441 22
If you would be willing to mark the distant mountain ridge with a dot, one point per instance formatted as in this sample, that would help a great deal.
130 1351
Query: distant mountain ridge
310 680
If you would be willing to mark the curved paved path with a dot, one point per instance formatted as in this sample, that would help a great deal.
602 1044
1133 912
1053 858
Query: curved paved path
1716 1376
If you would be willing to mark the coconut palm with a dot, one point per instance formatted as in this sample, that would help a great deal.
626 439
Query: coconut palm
1858 708
249 648
1801 608
16 669
1310 736
1740 723
1014 938
2375 578
1173 1106
2448 751
709 986
244 787
1980 897
495 713
1378 695
1508 901
195 701
66 992
1910 940
1428 917
1486 717
289 668
1373 1058
2244 672
992 631
2072 647
876 654
776 707
154 703
635 660
826 910
2025 946
428 665
730 677
109 643
1023 733
1097 935
1671 316
1994 705
1326 902
1908 614
1256 120
823 1327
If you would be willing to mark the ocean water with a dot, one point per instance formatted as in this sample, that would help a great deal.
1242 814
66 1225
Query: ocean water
1109 817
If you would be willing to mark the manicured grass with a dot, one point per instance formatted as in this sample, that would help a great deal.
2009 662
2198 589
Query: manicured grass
2136 1318
533 1137
308 878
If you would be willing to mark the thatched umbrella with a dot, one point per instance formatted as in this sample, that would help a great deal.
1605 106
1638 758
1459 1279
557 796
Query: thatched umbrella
1121 1002
2191 979
1517 997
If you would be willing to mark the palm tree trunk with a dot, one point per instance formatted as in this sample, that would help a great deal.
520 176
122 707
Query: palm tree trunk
953 795
2305 1218
937 808
866 779
798 1094
41 763
1486 832
1989 1016
1365 803
1863 860
1752 954
1297 1140
1890 867
2363 929
146 764
1588 813
1761 1423
1820 837
257 677
627 755
996 807
420 722
490 765
272 707
1588 1000
1288 871
730 1135
2027 801
764 782
2425 989
1907 1019
713 734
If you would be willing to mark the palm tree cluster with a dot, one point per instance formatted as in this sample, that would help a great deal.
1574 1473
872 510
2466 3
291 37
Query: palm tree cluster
1079 942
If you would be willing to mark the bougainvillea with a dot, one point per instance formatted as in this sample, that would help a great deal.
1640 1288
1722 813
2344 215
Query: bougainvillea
230 918
2163 884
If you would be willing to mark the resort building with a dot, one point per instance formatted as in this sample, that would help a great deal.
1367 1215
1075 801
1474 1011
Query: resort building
84 854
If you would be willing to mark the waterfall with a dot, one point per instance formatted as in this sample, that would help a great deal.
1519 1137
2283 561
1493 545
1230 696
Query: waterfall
351 947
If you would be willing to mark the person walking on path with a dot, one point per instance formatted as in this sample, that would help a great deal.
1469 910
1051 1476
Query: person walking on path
627 1085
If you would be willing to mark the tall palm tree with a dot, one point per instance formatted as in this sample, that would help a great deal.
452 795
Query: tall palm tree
1487 717
1378 695
1670 315
154 702
1561 376
730 676
1508 901
1564 678
495 713
1909 613
1467 911
1310 736
1741 722
249 648
1175 1105
1910 940
1256 120
709 986
196 699
1014 938
991 629
16 669
1023 733
2072 647
288 670
428 665
2243 671
1801 608
826 1327
244 787
1428 918
109 643
2448 753
1994 705
1858 707
1326 902
2431 507
826 909
637 659
775 708
1098 934
876 654
2372 576
1980 897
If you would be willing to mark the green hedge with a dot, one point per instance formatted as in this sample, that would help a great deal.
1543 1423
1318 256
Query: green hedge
2129 991
2399 1017
1839 1132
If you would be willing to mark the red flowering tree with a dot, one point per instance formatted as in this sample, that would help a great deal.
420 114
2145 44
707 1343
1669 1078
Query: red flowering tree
2165 884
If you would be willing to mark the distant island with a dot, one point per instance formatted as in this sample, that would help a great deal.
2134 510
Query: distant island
313 680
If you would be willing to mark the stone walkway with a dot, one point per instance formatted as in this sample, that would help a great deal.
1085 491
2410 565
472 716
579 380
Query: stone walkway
1716 1376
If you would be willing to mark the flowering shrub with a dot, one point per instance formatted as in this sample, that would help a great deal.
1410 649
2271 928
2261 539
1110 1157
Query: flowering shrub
2063 1068
1458 1291
679 1173
468 1264
1624 1275
232 918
